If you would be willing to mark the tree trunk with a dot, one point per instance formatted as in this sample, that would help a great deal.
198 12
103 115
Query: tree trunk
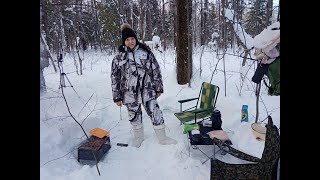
149 20
224 75
80 63
269 13
162 34
97 24
205 22
224 23
278 17
62 39
43 87
257 29
201 60
232 34
201 24
182 38
141 18
173 22
194 27
144 24
45 22
79 35
47 49
189 24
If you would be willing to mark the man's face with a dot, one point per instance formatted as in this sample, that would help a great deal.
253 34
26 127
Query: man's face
130 42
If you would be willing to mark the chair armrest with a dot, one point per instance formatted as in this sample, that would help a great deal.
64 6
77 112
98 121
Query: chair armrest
187 100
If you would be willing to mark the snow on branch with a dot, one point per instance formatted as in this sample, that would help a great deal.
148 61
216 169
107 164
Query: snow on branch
245 38
268 38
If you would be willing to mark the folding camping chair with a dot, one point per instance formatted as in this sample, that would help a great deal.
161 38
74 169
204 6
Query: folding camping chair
203 109
264 168
208 97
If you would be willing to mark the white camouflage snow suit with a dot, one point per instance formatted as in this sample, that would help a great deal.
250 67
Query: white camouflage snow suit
135 80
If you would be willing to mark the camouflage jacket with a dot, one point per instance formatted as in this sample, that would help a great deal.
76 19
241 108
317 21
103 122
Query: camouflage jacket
135 74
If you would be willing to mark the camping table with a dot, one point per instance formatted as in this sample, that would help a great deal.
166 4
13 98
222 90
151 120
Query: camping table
206 140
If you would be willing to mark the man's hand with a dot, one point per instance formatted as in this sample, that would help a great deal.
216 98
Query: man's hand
119 103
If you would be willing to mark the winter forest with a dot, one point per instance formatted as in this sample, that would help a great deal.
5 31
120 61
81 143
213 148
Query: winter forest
74 26
220 41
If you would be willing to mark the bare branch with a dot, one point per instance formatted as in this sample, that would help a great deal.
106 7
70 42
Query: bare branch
47 98
61 86
85 104
117 122
58 157
90 113
58 117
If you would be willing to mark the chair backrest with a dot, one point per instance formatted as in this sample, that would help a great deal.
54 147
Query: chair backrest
209 95
271 152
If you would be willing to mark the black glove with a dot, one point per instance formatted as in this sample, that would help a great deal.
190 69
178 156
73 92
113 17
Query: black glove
261 70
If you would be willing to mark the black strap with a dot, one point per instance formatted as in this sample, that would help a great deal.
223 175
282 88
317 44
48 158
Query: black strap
265 83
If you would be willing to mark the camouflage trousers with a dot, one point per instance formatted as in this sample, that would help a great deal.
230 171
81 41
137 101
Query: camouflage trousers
152 108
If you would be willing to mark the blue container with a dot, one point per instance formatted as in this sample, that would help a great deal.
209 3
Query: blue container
244 113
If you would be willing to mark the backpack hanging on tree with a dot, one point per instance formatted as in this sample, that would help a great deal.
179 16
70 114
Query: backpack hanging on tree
273 75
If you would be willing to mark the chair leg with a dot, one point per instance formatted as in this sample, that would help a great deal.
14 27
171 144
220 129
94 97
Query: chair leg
189 148
198 148
214 154
214 151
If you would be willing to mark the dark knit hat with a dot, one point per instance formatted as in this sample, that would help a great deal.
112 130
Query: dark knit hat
126 32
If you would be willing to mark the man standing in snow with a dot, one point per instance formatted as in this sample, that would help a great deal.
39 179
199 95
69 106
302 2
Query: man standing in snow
136 79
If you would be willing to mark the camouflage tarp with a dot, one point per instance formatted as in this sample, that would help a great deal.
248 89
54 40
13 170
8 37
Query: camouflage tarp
264 168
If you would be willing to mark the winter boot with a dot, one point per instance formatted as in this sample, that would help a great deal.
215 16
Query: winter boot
138 136
161 135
